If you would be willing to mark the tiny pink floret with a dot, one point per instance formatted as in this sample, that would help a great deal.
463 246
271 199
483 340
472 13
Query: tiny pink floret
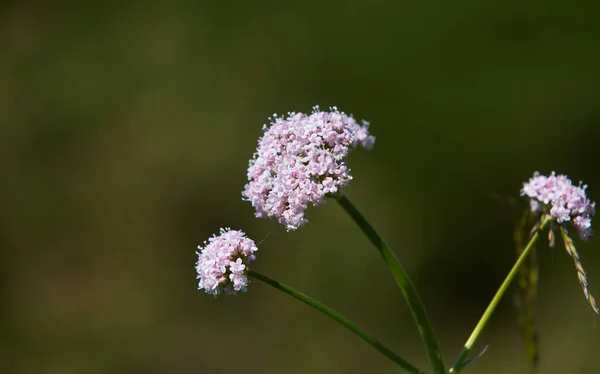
299 160
556 195
222 265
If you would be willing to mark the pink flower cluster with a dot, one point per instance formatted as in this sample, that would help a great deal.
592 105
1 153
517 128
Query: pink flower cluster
558 196
300 159
222 263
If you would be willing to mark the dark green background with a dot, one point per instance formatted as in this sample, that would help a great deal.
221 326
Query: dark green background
125 136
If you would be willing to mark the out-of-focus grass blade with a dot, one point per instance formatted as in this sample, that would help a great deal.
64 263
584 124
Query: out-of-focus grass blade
581 274
526 292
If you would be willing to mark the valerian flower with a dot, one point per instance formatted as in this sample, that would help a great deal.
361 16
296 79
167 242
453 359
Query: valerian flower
557 196
222 265
300 159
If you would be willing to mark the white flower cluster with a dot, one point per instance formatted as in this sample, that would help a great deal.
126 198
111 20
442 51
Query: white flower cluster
556 195
222 262
300 159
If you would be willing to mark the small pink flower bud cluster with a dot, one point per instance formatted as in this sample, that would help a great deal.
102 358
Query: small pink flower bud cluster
558 196
222 262
300 159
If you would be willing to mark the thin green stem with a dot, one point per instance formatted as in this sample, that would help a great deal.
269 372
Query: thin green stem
402 280
462 356
340 319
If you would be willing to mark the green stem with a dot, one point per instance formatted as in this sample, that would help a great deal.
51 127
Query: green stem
458 364
340 319
408 290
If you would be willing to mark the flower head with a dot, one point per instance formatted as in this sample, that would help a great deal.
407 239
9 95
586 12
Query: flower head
300 159
556 195
222 265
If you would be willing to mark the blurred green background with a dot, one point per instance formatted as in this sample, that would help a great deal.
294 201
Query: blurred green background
125 135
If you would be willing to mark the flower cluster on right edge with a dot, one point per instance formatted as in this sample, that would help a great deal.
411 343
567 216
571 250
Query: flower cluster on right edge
557 196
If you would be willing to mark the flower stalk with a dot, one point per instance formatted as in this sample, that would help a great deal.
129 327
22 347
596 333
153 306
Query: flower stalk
339 319
464 353
402 280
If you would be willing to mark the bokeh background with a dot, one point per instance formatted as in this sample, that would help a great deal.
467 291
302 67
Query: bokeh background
125 133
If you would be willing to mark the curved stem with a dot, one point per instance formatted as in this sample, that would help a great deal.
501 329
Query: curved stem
408 290
459 363
340 319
